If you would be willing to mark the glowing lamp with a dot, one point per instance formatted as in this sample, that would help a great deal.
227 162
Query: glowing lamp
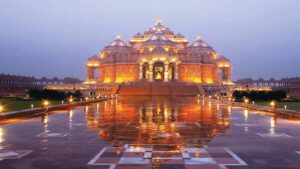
246 101
46 103
1 108
86 98
71 100
273 104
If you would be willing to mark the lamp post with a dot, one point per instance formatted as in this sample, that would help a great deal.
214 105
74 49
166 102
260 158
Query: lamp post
46 103
246 102
273 104
71 100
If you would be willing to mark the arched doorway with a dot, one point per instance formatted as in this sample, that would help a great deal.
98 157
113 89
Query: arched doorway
158 71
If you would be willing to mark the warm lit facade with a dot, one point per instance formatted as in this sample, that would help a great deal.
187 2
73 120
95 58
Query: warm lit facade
158 55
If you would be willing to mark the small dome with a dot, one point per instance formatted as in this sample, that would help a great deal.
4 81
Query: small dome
178 35
118 45
158 39
138 35
159 36
223 59
158 27
118 42
94 58
199 43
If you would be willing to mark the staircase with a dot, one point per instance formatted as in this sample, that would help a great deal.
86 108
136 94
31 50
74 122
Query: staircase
158 89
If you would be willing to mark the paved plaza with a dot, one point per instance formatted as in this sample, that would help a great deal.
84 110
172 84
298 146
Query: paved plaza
156 132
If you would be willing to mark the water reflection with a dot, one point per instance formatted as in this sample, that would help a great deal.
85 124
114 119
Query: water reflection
1 138
45 121
157 121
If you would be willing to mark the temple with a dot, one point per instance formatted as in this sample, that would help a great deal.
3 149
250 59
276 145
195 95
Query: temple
158 55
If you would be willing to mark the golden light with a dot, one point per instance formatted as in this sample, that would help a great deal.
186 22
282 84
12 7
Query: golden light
46 103
71 100
1 108
86 98
273 103
246 100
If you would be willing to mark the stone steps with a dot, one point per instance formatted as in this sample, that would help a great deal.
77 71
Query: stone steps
158 89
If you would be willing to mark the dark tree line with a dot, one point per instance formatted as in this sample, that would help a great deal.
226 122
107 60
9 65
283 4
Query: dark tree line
52 94
260 95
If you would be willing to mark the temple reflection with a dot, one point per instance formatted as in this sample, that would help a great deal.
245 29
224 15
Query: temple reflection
158 121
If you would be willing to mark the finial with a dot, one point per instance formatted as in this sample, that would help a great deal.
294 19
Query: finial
198 37
118 36
158 21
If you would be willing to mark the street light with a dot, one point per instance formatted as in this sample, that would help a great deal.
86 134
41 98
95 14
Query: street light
273 104
46 103
70 100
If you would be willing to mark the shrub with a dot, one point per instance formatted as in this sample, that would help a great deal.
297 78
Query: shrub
52 94
260 95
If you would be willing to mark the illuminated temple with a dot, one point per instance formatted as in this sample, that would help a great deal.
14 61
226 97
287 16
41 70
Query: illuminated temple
158 55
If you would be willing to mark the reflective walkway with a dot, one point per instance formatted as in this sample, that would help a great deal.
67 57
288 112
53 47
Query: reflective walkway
157 132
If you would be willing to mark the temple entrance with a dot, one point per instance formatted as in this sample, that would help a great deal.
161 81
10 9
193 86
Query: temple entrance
158 71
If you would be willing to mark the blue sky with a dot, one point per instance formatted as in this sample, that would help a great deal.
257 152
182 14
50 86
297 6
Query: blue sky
54 38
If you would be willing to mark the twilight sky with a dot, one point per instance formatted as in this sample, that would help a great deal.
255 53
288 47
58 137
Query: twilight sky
54 37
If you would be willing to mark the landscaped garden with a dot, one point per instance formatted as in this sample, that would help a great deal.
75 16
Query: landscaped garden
36 99
264 98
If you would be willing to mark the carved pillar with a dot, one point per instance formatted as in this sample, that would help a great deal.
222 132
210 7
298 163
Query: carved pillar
166 72
150 72
176 71
90 73
141 71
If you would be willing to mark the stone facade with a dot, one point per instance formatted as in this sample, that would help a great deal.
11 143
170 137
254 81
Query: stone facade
158 55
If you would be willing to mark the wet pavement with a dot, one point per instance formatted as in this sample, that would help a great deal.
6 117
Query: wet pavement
157 132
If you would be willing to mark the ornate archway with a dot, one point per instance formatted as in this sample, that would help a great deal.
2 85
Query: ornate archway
158 71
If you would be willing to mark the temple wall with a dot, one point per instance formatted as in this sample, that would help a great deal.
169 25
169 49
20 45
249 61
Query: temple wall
209 74
198 73
190 73
119 73
109 75
127 72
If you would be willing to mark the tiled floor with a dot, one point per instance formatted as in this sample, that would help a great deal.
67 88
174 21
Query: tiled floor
180 157
49 134
274 135
152 133
245 125
13 154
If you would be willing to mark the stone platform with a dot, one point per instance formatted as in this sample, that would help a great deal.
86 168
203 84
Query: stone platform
158 89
